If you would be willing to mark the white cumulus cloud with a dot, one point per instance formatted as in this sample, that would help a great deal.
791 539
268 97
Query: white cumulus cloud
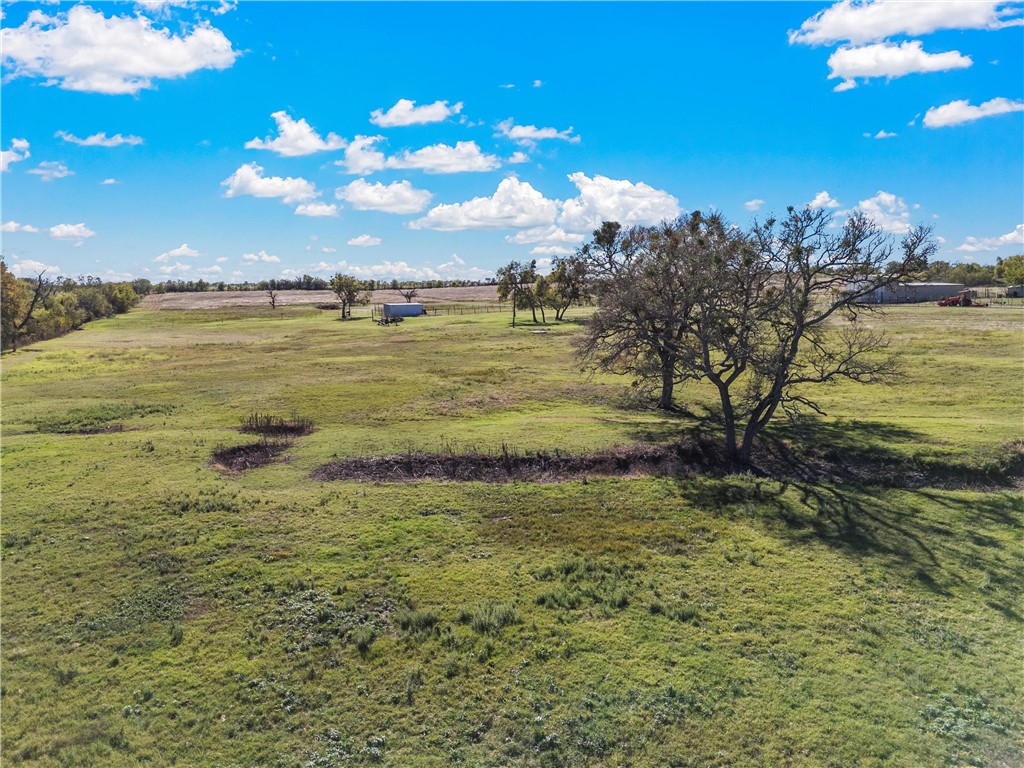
50 170
176 268
83 50
262 256
13 226
181 251
365 241
518 157
100 139
529 135
865 21
249 180
108 182
32 268
362 157
465 156
515 204
317 209
551 250
397 197
549 235
754 205
296 138
888 211
603 199
77 232
890 60
17 153
823 200
975 244
405 112
962 111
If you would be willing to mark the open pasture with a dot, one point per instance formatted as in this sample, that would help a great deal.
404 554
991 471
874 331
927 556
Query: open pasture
159 611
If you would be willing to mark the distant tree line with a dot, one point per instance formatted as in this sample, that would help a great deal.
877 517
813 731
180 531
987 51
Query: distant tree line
39 308
1009 271
305 283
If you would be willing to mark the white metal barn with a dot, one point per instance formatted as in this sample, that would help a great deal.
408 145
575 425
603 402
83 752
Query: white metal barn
412 309
909 293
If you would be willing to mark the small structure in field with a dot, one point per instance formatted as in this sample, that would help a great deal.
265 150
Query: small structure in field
408 309
1015 291
911 293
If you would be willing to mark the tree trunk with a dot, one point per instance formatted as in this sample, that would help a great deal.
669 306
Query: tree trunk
732 454
667 385
543 317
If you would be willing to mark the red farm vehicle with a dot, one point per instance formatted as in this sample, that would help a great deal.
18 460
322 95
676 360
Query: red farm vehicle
961 299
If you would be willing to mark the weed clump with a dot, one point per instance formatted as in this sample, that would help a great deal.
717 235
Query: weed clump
269 425
489 617
417 621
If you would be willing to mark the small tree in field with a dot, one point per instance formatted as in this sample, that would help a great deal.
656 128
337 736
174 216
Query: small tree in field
517 281
762 315
408 294
567 285
349 291
272 296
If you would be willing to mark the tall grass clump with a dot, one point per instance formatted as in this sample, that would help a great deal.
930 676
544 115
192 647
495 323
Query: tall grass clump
489 616
268 425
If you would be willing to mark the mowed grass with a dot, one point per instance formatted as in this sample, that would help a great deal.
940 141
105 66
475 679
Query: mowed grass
157 612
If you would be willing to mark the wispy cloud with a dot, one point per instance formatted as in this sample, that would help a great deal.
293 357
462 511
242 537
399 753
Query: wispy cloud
100 139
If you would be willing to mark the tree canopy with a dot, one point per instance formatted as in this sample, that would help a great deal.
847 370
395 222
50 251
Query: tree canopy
763 315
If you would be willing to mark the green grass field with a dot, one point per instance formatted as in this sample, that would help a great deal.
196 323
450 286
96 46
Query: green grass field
159 612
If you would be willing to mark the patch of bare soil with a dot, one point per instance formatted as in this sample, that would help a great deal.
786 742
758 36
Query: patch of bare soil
676 460
238 458
504 467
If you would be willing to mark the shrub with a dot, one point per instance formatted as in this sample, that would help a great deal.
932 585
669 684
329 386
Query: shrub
363 637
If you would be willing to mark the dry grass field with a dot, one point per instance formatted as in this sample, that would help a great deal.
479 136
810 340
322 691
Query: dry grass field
225 299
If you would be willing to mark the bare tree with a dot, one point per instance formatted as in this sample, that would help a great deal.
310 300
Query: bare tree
763 316
272 295
408 294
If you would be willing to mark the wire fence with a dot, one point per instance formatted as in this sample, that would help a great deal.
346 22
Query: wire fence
467 308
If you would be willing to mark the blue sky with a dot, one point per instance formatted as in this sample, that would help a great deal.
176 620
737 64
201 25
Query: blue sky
240 142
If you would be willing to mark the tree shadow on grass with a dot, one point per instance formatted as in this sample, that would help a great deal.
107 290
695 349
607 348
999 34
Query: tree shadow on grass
946 541
848 485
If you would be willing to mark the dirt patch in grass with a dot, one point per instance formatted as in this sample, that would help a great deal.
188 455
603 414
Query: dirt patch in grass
238 458
509 466
676 460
